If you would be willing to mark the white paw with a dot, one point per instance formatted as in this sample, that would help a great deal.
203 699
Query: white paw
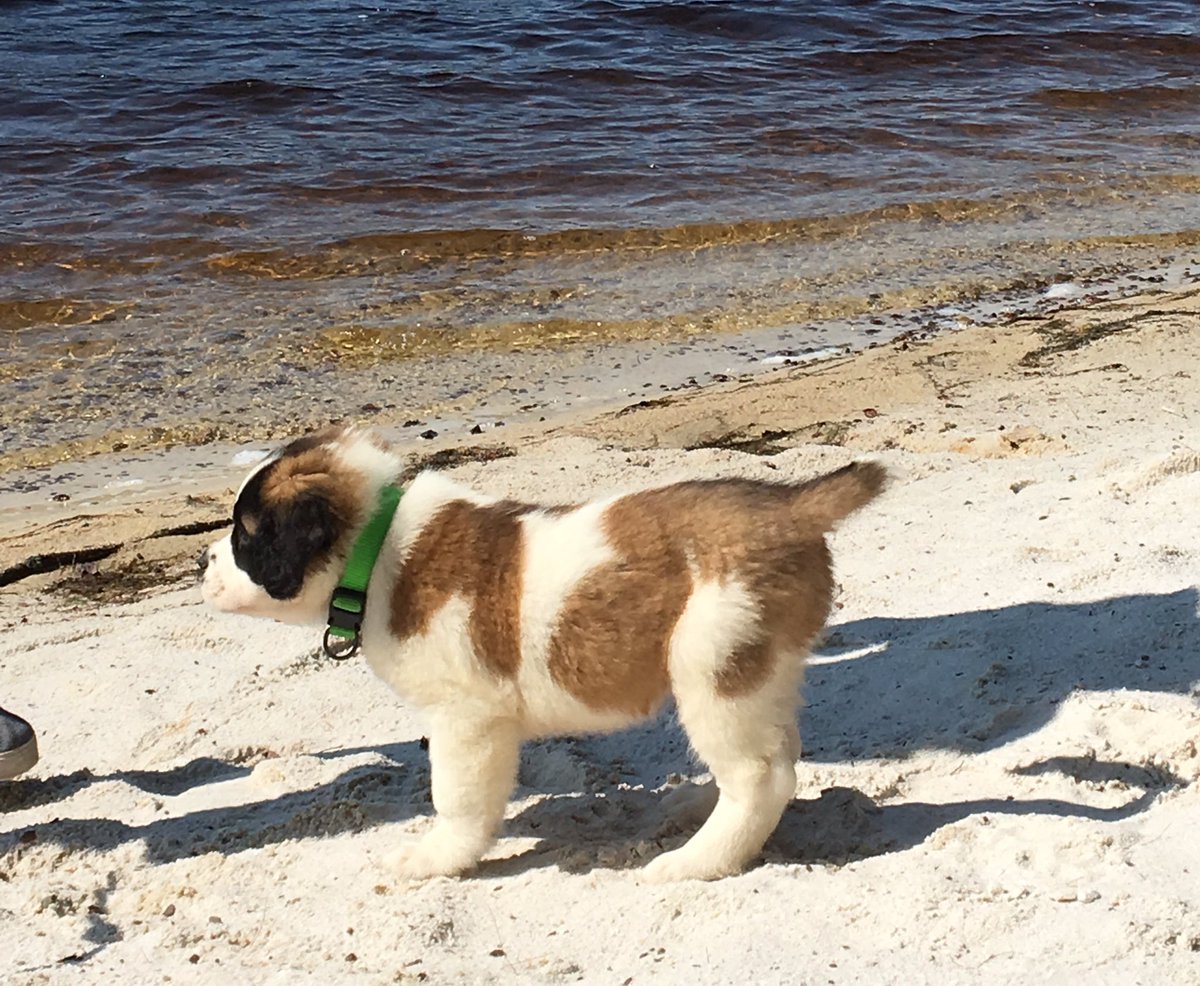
679 864
437 854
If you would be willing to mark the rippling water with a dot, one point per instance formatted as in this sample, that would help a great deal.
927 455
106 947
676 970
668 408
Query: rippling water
318 183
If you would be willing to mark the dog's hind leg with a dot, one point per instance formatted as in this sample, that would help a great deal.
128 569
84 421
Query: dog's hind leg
750 743
473 764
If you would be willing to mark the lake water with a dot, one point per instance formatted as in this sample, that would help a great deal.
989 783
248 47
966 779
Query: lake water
212 207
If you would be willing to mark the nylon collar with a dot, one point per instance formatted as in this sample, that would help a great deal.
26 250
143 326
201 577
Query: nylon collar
343 635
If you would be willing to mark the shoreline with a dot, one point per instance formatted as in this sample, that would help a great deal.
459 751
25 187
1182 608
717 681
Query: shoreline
1000 765
365 377
592 381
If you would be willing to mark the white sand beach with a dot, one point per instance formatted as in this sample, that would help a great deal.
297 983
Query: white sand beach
1000 766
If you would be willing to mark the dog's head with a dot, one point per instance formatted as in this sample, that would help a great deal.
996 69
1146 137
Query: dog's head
294 521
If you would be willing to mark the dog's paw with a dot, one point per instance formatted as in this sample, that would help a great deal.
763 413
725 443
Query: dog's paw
437 854
679 864
419 862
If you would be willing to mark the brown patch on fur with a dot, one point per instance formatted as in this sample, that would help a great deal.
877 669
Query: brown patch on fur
747 667
279 480
827 499
474 552
316 471
611 646
609 649
296 473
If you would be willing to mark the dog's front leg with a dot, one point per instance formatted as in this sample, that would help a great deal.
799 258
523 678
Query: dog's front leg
473 763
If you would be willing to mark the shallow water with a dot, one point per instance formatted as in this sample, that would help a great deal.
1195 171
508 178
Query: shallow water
212 209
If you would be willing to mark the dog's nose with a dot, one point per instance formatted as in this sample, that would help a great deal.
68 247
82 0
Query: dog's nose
202 561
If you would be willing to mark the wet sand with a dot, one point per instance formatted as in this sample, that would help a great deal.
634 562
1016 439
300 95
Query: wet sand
247 358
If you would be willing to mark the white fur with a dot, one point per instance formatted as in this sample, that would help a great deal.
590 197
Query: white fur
438 668
718 617
364 457
473 765
750 742
227 588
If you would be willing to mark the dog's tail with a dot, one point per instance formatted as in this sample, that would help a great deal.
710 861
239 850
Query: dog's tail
823 501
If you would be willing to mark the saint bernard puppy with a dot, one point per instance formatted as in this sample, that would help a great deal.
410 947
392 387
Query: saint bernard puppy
506 621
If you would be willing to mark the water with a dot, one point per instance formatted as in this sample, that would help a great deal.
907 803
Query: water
213 213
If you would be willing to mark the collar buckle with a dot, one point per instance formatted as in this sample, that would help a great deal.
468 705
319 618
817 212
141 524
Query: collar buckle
343 636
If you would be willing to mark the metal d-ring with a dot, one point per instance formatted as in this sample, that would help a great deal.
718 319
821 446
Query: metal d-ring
339 647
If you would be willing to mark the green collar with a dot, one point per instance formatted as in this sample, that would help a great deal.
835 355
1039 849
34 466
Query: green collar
350 597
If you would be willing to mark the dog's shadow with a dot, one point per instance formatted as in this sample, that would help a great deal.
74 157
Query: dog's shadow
879 688
624 827
394 788
974 681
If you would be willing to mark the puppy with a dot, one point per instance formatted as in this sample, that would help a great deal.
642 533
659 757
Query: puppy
506 621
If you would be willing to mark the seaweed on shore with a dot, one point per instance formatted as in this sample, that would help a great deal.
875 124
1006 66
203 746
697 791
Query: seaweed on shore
448 458
117 585
766 443
643 405
1061 338
773 441
53 561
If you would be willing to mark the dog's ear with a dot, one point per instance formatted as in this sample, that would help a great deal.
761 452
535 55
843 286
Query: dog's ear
293 537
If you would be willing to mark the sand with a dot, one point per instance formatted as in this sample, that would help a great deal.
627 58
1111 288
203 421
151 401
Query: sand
999 776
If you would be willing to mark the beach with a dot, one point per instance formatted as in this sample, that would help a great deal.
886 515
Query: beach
998 781
562 250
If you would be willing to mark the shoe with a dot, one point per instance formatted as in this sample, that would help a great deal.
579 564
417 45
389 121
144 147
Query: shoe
18 746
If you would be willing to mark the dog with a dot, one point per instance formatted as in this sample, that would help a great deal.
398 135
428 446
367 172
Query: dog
507 621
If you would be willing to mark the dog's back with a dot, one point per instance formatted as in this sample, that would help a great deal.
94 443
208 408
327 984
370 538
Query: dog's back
745 562
591 612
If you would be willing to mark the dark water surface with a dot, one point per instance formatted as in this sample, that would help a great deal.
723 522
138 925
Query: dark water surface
196 195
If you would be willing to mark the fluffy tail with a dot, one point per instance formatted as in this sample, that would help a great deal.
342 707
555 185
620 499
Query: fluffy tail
827 499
